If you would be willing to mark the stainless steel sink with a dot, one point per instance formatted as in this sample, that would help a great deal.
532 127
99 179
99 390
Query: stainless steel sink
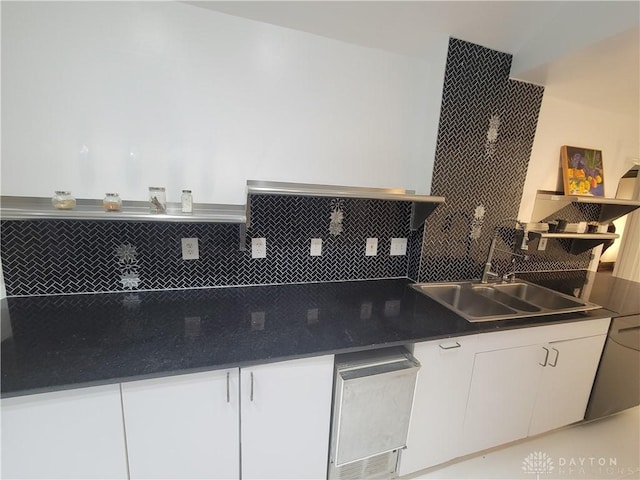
486 302
538 296
502 297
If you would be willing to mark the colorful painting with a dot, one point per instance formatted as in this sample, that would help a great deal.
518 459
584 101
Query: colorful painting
582 171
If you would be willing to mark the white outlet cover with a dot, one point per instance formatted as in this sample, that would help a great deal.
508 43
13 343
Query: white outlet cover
316 247
190 249
259 247
542 244
372 247
398 247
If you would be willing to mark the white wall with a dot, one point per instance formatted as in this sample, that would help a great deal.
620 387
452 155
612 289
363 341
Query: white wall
118 96
565 123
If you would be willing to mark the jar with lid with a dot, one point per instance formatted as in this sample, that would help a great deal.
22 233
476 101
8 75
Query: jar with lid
112 202
157 200
187 201
63 200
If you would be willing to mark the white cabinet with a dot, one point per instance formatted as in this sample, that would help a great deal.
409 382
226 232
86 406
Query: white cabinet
439 403
274 417
566 383
186 426
502 396
285 412
68 434
531 380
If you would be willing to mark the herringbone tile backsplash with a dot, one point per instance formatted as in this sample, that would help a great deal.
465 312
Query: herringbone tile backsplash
64 256
486 131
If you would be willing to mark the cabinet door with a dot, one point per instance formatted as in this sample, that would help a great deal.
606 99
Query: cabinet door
502 395
185 426
70 434
566 383
286 412
439 404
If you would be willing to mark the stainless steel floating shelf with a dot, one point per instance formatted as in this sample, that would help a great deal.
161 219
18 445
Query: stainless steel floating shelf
40 208
422 205
575 236
574 243
547 203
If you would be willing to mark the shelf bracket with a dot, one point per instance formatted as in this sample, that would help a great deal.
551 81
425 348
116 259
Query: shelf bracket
242 246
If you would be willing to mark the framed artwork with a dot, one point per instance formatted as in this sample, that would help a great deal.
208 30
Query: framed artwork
582 171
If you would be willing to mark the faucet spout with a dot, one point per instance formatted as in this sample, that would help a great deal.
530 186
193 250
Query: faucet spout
487 273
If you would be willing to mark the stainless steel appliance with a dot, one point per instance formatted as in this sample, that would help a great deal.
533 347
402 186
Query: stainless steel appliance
617 383
373 397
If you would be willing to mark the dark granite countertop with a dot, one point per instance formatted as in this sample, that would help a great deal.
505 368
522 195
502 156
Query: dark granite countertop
69 341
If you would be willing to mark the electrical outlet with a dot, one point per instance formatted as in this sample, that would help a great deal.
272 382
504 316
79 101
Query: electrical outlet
316 247
372 247
542 244
258 248
398 247
190 249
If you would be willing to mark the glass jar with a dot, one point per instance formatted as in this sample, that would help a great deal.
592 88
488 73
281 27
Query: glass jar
157 200
63 200
187 201
112 202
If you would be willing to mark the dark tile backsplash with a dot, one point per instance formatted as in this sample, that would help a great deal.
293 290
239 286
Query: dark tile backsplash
64 256
485 135
486 131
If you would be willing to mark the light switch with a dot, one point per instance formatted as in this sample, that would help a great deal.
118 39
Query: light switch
316 247
372 247
258 248
398 247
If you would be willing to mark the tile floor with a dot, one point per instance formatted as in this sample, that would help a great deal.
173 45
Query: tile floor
608 448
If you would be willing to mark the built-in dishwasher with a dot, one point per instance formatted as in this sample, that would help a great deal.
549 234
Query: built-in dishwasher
373 397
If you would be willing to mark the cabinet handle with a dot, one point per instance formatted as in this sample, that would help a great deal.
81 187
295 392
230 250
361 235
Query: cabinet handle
546 357
555 362
455 345
228 399
251 394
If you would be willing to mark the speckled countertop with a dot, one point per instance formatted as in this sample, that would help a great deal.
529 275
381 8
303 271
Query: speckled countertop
69 341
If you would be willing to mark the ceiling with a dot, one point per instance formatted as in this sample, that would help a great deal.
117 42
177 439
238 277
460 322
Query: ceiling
596 66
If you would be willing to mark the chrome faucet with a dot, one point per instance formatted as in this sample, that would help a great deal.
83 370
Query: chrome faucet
488 274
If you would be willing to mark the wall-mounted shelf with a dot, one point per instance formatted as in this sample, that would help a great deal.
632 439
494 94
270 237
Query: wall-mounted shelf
574 243
548 203
40 208
422 205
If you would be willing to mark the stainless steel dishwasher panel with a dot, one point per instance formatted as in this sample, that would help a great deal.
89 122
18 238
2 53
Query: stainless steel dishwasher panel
372 407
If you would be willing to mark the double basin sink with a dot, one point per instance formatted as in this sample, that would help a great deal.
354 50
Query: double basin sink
487 302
